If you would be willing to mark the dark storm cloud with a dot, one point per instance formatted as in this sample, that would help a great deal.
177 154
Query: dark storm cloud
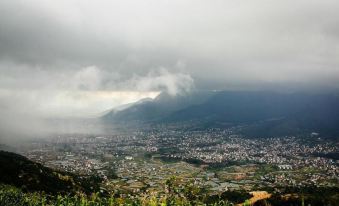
34 34
221 43
52 50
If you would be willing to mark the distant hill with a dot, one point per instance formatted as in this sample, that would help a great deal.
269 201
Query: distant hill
7 148
260 113
18 171
267 113
149 110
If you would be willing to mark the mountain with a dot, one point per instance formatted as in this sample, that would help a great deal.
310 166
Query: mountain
259 113
18 171
149 110
267 113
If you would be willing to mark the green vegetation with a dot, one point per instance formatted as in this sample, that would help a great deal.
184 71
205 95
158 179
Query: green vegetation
25 183
18 171
12 196
231 196
313 196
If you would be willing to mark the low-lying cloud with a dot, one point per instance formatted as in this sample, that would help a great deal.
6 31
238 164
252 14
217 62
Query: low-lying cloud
84 93
87 91
163 80
80 57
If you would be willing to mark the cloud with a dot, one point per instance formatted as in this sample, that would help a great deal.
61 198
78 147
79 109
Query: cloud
28 103
80 56
163 80
82 92
223 43
88 78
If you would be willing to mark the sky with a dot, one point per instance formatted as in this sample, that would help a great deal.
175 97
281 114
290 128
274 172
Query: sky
79 57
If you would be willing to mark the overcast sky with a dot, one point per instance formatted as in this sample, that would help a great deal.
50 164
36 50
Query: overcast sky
80 57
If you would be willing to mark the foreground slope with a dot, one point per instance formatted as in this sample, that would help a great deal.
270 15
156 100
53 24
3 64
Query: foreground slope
18 171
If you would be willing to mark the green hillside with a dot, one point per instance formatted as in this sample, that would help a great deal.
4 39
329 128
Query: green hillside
18 171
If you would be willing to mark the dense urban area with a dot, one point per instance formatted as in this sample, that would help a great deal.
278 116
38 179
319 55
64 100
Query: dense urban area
140 162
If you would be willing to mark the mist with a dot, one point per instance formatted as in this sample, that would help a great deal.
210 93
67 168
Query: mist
76 59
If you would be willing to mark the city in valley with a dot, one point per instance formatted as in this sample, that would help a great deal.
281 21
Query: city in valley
169 103
141 162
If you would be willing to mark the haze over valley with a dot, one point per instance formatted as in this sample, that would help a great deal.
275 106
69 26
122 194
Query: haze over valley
157 102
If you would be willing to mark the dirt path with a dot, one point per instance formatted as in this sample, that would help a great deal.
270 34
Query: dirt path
257 195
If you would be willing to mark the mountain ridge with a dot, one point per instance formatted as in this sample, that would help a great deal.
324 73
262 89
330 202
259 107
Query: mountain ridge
271 113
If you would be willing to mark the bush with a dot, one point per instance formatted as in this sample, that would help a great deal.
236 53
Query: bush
11 196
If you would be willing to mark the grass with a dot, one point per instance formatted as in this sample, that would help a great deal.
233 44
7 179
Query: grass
12 196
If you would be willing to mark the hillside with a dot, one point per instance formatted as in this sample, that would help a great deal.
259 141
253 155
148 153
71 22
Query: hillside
18 171
149 110
259 113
